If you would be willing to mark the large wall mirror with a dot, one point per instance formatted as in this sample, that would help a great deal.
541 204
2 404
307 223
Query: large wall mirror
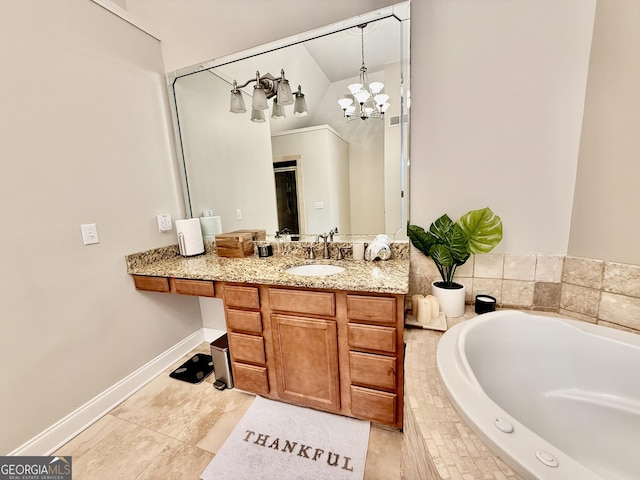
308 173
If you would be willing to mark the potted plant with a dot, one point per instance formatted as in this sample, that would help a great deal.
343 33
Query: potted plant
450 244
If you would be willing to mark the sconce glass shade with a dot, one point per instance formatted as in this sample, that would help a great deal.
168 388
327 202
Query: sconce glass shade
257 116
259 98
350 110
385 107
300 105
236 104
278 110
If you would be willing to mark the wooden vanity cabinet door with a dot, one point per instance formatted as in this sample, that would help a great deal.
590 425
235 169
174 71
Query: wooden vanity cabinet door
306 358
251 378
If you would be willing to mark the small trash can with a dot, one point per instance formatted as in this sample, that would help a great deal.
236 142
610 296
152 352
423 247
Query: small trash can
222 360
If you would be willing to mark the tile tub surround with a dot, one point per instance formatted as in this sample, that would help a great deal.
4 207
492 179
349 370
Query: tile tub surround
595 291
437 443
390 276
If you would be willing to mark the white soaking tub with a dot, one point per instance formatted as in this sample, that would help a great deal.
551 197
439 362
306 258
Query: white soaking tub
556 399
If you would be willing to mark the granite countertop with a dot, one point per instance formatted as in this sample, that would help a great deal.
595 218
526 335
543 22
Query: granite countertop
390 276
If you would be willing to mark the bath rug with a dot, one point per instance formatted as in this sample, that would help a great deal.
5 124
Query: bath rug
275 440
194 370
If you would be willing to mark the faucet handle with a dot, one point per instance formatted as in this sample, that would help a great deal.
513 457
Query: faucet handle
312 254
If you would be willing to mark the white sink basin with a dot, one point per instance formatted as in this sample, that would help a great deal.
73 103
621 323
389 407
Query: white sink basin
314 270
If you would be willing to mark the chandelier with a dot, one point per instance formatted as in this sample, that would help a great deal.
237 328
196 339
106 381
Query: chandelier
369 101
266 87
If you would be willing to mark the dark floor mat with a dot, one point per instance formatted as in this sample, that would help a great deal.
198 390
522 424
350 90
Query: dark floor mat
194 370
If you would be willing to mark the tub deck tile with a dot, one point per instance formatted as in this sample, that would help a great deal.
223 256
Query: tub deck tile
451 450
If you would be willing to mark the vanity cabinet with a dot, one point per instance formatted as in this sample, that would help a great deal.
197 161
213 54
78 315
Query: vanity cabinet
336 351
183 286
245 335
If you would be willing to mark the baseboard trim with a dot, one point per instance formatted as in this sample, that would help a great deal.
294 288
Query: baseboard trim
211 334
65 429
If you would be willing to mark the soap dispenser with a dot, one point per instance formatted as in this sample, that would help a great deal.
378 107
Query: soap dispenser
277 247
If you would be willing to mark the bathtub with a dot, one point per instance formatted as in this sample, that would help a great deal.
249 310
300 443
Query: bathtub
554 398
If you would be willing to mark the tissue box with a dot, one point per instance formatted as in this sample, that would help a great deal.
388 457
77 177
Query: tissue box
234 244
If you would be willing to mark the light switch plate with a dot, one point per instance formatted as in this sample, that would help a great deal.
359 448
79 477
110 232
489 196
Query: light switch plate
164 222
89 233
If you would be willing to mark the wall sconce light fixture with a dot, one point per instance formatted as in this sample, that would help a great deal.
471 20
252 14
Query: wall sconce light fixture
266 87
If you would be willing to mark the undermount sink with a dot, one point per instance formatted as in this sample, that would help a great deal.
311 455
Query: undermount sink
314 270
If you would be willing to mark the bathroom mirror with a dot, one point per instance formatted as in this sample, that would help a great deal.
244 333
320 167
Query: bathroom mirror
311 173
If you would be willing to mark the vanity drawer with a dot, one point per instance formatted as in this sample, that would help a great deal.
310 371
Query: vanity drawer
371 309
244 321
201 288
251 378
372 337
246 348
153 284
373 405
302 301
243 297
372 370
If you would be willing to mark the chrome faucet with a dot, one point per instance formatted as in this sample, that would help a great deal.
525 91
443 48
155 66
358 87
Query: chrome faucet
325 248
312 254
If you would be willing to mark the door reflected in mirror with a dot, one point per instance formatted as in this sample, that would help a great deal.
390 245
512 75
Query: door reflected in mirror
311 173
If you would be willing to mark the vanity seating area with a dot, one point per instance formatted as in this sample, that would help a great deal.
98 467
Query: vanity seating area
333 342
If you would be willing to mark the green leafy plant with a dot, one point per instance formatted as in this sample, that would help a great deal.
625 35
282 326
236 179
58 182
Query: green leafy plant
450 244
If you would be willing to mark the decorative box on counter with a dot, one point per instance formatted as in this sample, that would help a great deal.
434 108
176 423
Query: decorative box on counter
258 235
234 244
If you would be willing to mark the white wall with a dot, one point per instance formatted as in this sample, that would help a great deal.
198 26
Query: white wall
605 216
339 181
85 138
229 156
497 100
367 185
322 181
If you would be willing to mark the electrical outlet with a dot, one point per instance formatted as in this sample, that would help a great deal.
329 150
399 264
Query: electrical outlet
164 222
238 214
89 233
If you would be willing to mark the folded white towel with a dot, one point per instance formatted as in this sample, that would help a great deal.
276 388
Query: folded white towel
377 249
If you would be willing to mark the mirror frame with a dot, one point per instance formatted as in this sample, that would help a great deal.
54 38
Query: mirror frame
401 11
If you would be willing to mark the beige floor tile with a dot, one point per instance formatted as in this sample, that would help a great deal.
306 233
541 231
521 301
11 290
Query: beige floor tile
91 436
171 429
213 424
177 461
124 453
384 456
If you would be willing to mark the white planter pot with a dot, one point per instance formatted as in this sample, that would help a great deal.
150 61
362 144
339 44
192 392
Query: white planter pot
451 299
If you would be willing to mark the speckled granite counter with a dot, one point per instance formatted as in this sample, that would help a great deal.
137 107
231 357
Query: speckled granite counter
390 276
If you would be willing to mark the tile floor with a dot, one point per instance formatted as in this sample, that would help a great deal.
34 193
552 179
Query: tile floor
171 429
